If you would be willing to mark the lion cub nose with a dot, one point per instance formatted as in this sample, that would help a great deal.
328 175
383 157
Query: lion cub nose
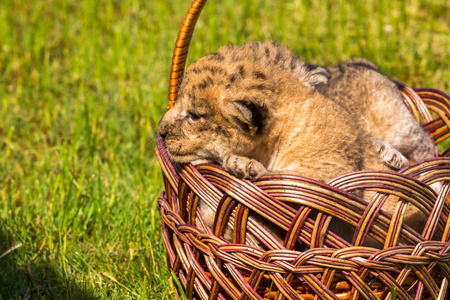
163 132
163 135
162 129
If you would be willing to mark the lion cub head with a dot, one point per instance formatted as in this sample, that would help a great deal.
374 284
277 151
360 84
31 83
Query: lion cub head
229 101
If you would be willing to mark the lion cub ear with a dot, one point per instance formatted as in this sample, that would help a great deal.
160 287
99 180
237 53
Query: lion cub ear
248 114
314 75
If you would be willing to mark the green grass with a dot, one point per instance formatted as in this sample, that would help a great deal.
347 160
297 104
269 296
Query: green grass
83 85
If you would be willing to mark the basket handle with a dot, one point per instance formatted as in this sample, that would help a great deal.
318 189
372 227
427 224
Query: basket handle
181 48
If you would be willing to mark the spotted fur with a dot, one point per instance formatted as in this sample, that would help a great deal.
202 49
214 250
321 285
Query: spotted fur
258 109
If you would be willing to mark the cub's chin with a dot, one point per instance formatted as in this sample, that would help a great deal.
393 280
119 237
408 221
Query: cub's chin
178 155
201 161
185 159
182 158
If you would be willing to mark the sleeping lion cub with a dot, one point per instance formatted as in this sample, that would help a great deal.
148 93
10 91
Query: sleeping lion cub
257 109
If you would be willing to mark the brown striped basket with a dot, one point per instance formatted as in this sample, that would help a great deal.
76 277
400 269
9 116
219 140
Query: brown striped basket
411 265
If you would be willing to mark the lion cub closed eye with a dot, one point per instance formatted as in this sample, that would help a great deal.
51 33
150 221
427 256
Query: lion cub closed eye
257 109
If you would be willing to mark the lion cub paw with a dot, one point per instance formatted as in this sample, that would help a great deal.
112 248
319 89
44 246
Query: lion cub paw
389 155
244 167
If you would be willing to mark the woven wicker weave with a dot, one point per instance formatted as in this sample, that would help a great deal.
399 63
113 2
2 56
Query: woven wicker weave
415 264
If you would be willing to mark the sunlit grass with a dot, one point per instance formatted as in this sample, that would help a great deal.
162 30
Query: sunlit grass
83 85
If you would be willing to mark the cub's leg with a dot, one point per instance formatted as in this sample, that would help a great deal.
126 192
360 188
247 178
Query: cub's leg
244 167
388 154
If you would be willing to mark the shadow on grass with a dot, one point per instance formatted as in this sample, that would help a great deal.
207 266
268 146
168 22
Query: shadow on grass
21 278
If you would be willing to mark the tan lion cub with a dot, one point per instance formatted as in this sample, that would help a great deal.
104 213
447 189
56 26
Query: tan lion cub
257 109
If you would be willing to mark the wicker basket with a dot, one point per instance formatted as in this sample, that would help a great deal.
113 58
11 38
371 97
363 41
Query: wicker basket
414 264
